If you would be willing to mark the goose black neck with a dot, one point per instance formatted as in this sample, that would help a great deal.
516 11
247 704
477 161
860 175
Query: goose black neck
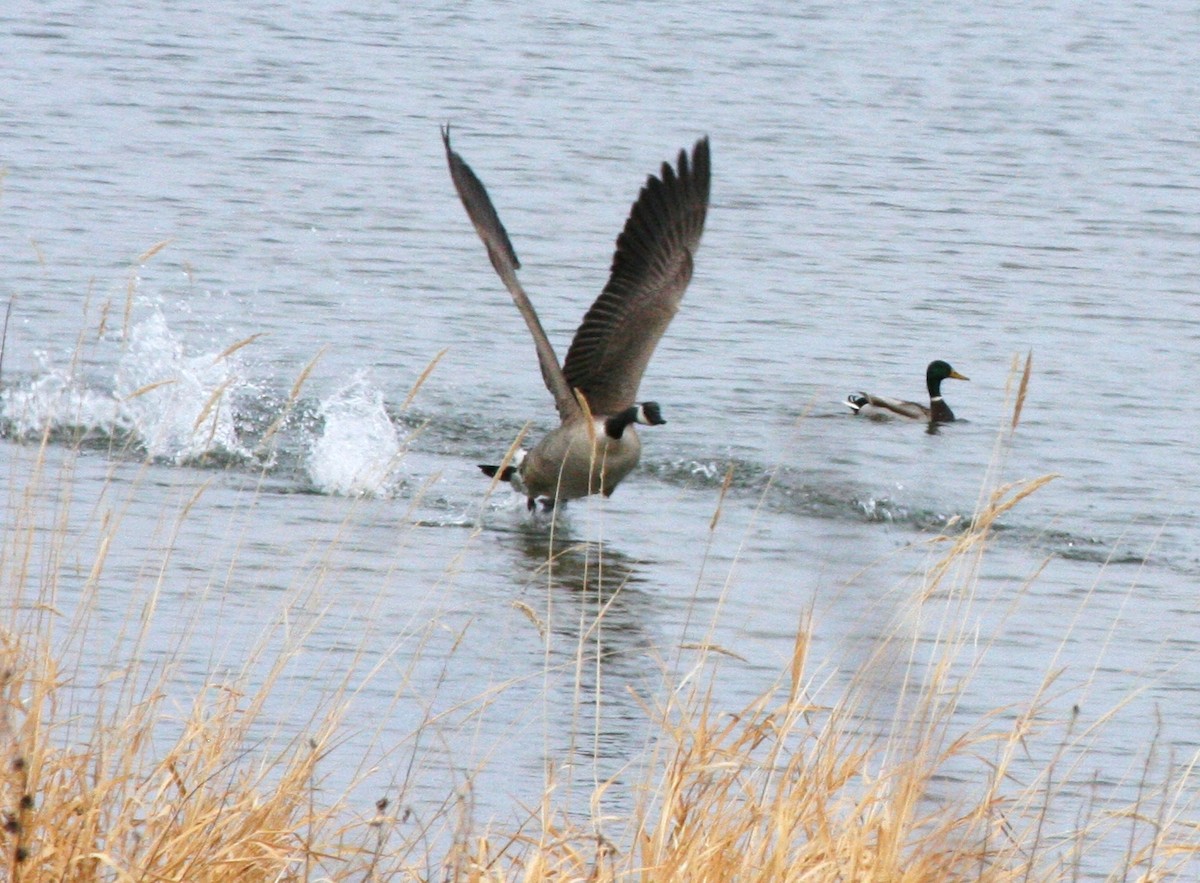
614 426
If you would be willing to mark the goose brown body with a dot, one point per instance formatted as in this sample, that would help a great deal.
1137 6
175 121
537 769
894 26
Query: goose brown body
571 462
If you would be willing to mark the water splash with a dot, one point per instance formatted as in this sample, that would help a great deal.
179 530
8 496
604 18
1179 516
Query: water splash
357 450
56 405
181 406
166 402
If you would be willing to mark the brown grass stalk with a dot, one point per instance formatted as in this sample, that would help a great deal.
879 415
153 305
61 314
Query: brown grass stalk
815 779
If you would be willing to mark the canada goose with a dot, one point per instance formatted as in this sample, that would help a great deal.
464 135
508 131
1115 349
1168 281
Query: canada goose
938 411
595 390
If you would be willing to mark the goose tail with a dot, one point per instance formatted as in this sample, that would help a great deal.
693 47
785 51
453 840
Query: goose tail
510 473
491 471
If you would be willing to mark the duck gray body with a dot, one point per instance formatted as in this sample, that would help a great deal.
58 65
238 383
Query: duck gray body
875 406
595 389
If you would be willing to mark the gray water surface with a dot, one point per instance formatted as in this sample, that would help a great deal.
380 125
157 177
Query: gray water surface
891 185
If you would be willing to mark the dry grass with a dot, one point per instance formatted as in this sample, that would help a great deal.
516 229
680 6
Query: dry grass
808 782
102 777
793 789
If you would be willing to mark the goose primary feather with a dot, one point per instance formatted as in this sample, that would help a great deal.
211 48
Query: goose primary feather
595 388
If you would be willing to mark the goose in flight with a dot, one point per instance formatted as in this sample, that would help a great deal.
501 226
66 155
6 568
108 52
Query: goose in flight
595 389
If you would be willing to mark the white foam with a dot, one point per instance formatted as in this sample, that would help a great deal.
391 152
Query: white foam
180 404
56 401
358 450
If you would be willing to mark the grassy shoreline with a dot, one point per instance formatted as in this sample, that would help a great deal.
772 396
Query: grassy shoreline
112 775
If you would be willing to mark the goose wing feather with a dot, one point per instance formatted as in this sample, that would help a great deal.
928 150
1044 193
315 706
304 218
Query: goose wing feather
500 251
651 268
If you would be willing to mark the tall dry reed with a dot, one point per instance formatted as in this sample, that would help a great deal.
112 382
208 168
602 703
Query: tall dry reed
103 778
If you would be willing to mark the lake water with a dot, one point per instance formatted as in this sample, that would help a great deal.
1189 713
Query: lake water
892 184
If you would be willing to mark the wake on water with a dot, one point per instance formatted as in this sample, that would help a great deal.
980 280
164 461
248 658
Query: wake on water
188 406
180 405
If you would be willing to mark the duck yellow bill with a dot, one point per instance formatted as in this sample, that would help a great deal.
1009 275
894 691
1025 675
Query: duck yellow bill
958 376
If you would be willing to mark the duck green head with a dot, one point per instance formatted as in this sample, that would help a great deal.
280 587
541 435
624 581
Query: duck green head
939 371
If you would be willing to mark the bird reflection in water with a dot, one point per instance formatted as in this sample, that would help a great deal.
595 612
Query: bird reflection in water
587 602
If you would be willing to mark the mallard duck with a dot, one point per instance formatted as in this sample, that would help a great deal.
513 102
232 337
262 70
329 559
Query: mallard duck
938 411
595 389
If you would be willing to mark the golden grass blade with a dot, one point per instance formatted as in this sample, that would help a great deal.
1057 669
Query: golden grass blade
293 397
709 647
233 348
799 660
127 313
412 393
4 336
532 616
304 375
716 516
150 387
1030 486
587 415
507 459
211 404
102 325
1022 389
153 250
